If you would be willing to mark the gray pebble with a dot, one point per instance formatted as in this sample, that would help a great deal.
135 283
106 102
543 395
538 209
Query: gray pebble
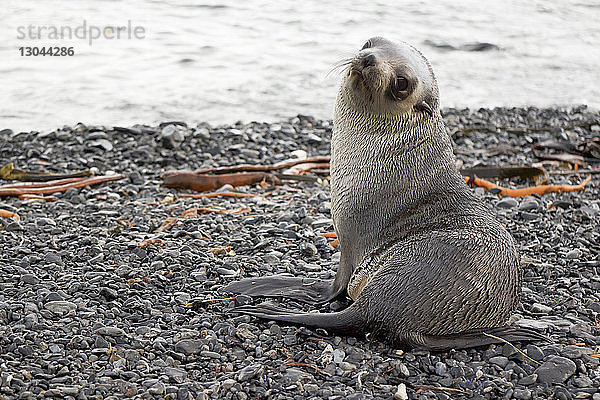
293 375
574 352
109 294
535 352
346 366
309 250
287 129
228 384
53 257
226 272
188 346
538 308
136 178
289 340
403 369
555 370
112 331
529 205
500 361
103 144
245 334
60 306
507 203
172 136
45 221
157 389
322 223
210 354
528 380
583 381
522 394
101 342
30 279
176 375
338 356
14 226
574 254
250 372
401 392
440 368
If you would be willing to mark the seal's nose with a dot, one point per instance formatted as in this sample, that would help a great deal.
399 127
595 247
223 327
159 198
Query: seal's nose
369 60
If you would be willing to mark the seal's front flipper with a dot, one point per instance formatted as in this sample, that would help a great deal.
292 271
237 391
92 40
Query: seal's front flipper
346 322
306 290
480 338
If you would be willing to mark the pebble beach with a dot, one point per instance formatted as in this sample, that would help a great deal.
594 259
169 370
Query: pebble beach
96 304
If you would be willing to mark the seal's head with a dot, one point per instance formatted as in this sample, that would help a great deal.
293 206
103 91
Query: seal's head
391 78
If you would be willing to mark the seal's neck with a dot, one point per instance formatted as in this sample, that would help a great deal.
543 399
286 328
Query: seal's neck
394 129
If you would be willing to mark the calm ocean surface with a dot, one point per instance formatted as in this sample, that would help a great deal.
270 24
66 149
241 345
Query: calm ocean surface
224 61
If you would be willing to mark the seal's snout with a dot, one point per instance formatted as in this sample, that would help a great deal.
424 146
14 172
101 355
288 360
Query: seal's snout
363 61
367 70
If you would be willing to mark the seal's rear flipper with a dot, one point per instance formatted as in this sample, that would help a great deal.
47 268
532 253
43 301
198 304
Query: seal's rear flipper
480 338
350 322
346 322
306 290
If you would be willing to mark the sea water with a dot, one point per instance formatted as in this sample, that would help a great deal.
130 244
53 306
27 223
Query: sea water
224 61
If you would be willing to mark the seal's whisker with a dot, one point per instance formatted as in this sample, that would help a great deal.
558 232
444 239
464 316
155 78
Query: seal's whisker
340 64
344 60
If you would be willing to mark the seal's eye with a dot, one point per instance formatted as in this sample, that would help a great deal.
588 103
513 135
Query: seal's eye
398 90
367 45
401 83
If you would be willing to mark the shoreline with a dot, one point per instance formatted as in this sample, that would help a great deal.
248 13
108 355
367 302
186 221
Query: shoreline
286 118
87 310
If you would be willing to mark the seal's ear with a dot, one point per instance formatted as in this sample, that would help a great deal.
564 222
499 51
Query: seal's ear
423 106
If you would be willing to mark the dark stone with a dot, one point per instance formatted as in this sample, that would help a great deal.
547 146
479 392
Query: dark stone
188 346
555 370
52 257
507 203
535 352
500 361
249 372
109 294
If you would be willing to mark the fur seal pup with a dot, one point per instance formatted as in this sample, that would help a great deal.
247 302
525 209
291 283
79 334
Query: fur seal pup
425 262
